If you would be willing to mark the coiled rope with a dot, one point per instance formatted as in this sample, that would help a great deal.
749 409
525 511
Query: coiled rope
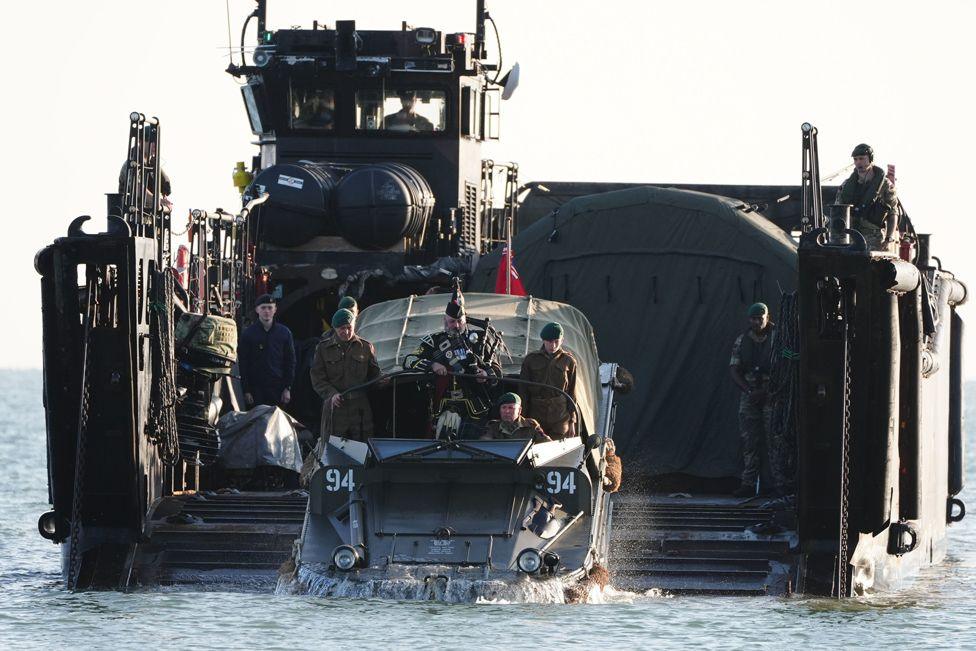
161 428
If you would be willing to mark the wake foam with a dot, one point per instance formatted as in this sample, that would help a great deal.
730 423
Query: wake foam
425 583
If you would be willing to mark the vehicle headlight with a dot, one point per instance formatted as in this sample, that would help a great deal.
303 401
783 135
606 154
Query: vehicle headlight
345 557
529 561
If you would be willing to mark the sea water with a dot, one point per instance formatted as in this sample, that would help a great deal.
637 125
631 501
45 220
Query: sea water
938 610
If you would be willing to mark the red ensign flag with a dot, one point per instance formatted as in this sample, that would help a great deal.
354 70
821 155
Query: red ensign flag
507 264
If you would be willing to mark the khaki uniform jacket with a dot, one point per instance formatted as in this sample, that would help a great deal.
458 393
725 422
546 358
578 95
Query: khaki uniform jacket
520 428
339 366
549 406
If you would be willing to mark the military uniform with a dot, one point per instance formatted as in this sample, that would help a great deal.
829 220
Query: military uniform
520 428
549 406
338 366
874 202
753 354
266 360
460 353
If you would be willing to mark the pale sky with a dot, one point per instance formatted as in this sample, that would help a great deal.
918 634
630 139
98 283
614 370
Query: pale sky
694 92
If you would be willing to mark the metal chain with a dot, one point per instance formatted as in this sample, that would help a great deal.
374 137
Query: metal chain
74 554
842 565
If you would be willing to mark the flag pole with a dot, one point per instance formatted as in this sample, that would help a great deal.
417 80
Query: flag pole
508 254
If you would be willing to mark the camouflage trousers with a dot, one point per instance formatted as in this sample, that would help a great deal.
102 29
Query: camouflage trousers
759 444
874 237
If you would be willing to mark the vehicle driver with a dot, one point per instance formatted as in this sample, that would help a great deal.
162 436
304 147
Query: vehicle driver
407 118
343 361
553 366
511 424
871 194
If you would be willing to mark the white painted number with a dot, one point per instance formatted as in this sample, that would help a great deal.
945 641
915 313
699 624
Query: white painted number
558 484
335 480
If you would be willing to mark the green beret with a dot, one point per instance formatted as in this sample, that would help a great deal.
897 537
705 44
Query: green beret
342 317
551 331
510 399
349 303
758 309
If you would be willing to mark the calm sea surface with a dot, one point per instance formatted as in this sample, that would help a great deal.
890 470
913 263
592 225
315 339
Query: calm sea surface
938 610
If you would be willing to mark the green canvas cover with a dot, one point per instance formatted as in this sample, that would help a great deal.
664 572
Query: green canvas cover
665 276
395 328
217 335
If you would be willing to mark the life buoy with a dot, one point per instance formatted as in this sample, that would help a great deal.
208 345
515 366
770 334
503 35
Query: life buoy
182 263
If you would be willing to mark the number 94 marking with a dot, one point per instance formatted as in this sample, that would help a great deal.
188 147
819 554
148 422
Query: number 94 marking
335 480
557 483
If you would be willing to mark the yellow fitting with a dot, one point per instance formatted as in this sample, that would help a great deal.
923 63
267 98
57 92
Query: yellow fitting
242 178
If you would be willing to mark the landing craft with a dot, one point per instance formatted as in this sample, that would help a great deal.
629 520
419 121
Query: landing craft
369 182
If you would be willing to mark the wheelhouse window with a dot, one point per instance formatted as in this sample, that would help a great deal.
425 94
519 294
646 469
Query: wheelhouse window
401 110
312 108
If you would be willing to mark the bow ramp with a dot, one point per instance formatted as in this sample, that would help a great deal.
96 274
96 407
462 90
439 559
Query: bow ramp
238 538
701 545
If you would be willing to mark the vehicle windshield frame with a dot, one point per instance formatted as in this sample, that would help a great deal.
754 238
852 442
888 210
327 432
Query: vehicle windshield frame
416 376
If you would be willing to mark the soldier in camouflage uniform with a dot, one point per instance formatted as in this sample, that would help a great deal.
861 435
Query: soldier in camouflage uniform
553 366
512 425
751 363
342 361
874 210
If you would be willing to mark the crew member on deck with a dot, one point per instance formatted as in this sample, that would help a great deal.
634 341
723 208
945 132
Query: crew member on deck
407 118
555 367
750 366
266 357
149 156
874 211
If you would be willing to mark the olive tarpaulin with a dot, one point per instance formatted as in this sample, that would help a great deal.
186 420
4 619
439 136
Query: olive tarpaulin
666 277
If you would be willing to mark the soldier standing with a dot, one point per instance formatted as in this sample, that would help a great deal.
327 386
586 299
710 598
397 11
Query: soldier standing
874 211
266 357
751 363
342 361
345 303
511 424
555 367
